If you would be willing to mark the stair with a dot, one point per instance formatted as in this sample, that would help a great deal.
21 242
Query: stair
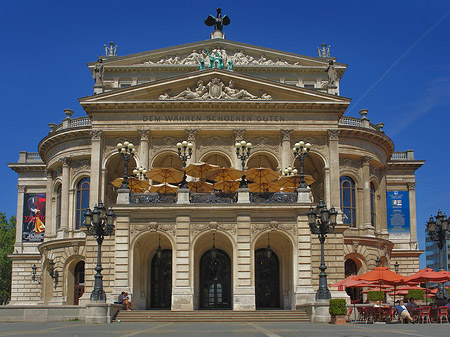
212 316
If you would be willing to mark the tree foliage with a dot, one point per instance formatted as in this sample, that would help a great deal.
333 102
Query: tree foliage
7 239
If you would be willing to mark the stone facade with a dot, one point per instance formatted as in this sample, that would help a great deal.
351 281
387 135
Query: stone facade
155 99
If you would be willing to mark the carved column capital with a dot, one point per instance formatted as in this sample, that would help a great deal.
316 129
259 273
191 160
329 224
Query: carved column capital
96 134
65 161
286 135
239 134
191 134
366 160
49 173
144 134
333 134
21 188
411 186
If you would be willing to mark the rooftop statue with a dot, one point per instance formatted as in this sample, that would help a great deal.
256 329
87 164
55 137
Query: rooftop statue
219 21
98 72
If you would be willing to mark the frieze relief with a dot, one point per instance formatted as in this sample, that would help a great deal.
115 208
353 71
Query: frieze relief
237 57
213 226
349 164
273 226
164 142
81 165
215 142
215 89
110 144
153 227
265 142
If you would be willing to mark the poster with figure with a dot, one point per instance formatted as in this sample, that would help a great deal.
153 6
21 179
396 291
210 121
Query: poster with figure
398 213
33 227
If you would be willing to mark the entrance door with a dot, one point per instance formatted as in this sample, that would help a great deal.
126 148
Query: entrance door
78 284
215 280
161 280
267 280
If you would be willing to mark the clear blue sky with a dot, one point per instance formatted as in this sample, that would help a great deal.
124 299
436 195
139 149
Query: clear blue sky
398 56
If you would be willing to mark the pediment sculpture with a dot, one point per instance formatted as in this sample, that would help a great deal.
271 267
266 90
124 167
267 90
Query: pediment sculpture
215 89
197 57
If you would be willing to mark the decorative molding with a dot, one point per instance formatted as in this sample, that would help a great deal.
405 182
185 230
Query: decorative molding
65 161
21 188
366 160
213 226
96 134
215 89
286 135
349 164
153 227
214 142
411 186
333 134
265 142
81 165
273 226
144 134
191 134
355 245
239 134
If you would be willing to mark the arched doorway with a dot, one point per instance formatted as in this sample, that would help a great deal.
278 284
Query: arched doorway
78 284
351 268
215 280
267 279
161 280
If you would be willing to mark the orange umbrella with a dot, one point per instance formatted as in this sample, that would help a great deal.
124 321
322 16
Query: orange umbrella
228 186
135 185
164 188
199 169
165 175
264 187
428 275
223 174
261 175
200 186
293 181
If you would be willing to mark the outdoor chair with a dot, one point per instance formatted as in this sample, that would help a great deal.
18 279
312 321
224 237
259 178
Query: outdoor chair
443 313
361 314
348 316
425 314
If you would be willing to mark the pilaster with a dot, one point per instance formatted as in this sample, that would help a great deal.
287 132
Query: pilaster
412 213
95 181
49 218
286 153
65 162
333 145
191 136
18 246
144 148
121 256
367 222
239 135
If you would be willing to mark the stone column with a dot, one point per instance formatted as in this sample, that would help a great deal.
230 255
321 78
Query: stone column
244 288
286 152
333 146
239 135
183 279
326 186
191 136
381 205
121 256
367 221
412 214
95 179
65 206
143 148
19 222
49 219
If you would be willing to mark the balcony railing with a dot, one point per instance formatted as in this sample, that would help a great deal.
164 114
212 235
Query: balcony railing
357 122
29 157
72 123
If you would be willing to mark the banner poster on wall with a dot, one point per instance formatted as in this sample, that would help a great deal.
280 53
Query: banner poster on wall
398 214
33 227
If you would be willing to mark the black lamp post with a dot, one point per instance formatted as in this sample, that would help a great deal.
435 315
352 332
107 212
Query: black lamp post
184 152
126 151
290 171
322 222
243 153
301 151
378 262
396 266
99 224
140 173
438 231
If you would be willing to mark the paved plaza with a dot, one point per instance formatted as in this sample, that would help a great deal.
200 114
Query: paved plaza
80 329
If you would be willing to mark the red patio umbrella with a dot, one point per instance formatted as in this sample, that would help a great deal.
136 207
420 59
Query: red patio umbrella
428 275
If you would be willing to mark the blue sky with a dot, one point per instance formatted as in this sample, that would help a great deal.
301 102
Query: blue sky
398 56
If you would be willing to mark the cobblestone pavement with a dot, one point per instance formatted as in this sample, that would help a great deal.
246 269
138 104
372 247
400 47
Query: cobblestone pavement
80 329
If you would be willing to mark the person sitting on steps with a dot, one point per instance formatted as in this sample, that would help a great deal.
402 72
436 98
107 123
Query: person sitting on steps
124 300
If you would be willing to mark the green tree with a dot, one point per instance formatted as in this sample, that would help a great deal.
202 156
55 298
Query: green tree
7 239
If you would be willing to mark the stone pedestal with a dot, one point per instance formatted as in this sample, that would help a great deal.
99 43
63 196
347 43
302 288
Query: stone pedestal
320 312
217 35
243 195
244 299
304 295
183 196
101 312
123 196
98 89
182 299
303 195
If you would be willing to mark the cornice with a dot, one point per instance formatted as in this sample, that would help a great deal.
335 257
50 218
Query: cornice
26 167
377 137
369 241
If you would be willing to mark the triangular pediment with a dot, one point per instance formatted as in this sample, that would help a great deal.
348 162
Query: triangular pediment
214 85
241 55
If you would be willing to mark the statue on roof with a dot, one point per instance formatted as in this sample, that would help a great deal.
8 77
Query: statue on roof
332 75
98 72
324 52
111 50
219 21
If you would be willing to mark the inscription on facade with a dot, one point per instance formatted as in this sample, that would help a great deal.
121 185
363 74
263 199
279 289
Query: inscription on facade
212 118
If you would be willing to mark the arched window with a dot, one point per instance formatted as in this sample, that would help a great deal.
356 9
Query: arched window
82 201
348 204
373 208
58 206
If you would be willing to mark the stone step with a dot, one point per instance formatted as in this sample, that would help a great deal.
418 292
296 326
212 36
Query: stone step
212 316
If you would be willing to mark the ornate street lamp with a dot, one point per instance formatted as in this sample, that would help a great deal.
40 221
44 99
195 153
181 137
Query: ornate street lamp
140 173
290 171
184 152
396 266
268 249
438 231
378 262
126 151
99 224
243 153
322 222
301 151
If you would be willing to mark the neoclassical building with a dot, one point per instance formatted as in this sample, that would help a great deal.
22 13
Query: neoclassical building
212 93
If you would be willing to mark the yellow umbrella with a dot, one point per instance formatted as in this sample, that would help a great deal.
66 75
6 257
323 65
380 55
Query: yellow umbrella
228 186
197 170
164 188
294 180
223 174
200 186
165 175
261 175
264 187
135 185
